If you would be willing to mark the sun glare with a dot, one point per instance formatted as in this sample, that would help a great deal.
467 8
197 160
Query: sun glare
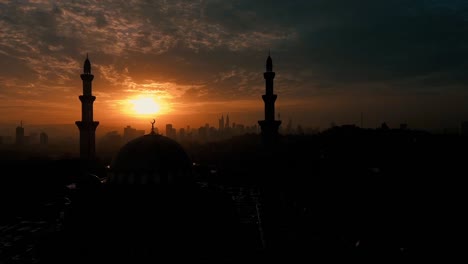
145 106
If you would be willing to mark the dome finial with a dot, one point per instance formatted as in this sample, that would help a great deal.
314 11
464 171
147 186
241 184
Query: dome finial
152 127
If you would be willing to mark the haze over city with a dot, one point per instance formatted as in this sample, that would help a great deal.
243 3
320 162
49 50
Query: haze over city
234 132
188 63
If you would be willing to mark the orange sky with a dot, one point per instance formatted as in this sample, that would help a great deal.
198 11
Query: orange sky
202 59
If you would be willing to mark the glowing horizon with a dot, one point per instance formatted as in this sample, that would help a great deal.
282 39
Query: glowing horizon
144 106
198 65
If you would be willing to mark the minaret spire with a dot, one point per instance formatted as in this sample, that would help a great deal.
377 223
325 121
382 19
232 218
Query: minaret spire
269 63
87 125
87 66
269 125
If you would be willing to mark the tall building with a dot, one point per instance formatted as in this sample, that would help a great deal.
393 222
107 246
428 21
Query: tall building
87 125
227 124
221 123
182 134
170 131
269 126
20 140
131 133
43 138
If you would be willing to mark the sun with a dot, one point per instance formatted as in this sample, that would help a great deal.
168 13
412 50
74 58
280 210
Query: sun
145 106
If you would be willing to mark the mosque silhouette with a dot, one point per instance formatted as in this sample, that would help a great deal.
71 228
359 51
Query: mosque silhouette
347 193
149 205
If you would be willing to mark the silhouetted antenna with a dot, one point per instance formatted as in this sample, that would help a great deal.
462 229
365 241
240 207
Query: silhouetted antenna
86 55
152 127
21 123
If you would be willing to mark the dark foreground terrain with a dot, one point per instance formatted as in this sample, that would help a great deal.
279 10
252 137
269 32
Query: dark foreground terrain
343 195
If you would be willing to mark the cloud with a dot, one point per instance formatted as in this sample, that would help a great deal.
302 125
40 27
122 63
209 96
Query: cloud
211 51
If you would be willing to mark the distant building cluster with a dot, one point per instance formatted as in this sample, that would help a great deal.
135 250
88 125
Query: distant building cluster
114 140
204 133
290 129
210 133
21 139
131 133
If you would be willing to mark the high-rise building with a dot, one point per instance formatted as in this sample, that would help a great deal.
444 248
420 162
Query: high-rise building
43 138
221 124
20 140
131 133
182 134
87 125
269 125
170 131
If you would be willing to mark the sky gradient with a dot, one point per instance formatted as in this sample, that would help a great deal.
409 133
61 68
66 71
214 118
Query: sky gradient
396 61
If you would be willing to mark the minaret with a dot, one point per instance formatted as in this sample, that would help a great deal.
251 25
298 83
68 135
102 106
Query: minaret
269 125
87 125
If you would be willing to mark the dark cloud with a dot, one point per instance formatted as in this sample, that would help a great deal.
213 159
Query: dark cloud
214 50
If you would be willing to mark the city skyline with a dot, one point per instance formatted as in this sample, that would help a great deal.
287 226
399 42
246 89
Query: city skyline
212 131
335 60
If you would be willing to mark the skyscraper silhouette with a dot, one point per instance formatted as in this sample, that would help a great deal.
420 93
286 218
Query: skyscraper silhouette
87 125
269 125
19 140
43 138
221 123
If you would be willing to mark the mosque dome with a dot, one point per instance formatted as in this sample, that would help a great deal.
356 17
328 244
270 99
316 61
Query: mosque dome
151 159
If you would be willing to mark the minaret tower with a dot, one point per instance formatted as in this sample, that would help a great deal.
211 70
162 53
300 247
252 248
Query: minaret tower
269 125
87 125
